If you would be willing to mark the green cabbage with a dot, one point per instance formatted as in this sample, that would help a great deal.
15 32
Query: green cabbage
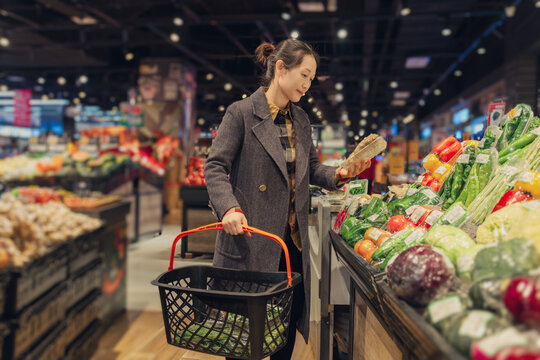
527 227
502 223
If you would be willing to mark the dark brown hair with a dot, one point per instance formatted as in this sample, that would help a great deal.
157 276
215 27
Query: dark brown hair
290 51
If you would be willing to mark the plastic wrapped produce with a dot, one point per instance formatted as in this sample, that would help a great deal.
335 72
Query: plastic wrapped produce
522 299
528 227
368 148
419 274
487 295
514 124
472 325
505 259
501 345
394 241
456 244
501 224
414 238
479 176
456 216
453 186
357 187
423 196
443 308
353 230
491 137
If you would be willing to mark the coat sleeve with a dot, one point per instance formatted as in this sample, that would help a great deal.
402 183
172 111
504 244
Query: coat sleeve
319 174
217 167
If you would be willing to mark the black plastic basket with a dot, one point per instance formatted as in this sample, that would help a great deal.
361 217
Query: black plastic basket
233 313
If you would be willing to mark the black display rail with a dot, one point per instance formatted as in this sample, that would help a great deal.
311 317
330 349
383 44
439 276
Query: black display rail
403 323
195 213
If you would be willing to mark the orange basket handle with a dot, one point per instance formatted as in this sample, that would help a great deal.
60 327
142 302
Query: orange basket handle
247 229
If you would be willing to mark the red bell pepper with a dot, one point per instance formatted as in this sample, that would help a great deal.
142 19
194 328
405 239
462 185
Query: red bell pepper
446 143
427 178
448 153
434 184
511 197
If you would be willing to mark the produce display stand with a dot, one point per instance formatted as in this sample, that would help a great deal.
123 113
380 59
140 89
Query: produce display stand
195 213
375 309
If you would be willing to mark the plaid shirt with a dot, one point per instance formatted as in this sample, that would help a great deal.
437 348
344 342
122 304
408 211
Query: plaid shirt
284 123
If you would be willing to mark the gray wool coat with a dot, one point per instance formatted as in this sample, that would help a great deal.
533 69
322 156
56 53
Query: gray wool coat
246 167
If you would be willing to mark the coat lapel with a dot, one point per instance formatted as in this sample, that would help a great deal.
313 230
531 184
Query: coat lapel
266 131
303 138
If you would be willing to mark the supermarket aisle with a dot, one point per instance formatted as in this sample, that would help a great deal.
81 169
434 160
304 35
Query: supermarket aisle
139 334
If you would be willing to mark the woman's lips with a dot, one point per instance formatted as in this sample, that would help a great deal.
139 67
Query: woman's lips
300 92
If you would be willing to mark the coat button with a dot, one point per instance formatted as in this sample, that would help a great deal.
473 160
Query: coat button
262 188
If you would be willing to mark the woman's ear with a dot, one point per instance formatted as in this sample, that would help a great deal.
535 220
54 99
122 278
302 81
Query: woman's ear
280 67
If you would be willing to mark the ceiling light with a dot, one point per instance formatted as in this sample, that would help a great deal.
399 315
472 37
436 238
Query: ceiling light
84 20
174 37
510 11
405 11
227 86
537 4
374 126
361 132
244 96
178 21
375 114
398 102
83 79
338 86
347 122
339 97
200 121
311 6
422 102
344 116
364 113
61 80
446 32
295 34
356 138
319 113
82 94
402 94
310 100
417 62
44 97
363 122
342 33
209 76
393 84
481 51
221 108
4 41
77 101
41 80
458 73
129 56
409 118
315 109
285 16
437 92
325 122
350 133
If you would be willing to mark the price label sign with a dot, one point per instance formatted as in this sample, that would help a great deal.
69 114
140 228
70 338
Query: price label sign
38 148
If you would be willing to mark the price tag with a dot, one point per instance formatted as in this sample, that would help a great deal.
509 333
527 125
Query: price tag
410 210
421 177
374 234
530 205
536 131
482 143
433 217
463 159
429 193
475 324
508 170
440 310
454 214
509 337
57 148
441 170
38 148
417 214
412 191
415 235
482 159
374 217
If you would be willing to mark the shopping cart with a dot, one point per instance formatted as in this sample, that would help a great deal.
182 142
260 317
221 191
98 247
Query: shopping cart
233 313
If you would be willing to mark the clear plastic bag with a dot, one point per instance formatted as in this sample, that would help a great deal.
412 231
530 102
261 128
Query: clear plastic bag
367 152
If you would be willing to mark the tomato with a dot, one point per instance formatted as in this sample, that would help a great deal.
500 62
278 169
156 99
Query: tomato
365 248
398 223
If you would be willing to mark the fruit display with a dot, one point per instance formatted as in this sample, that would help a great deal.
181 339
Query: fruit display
29 230
462 243
195 172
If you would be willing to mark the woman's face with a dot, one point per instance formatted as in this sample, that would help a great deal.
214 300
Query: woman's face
295 82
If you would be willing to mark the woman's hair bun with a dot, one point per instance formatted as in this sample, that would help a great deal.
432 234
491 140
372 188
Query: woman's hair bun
263 51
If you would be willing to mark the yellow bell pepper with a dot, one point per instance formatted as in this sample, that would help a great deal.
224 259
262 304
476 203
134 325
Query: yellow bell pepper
529 183
431 163
442 172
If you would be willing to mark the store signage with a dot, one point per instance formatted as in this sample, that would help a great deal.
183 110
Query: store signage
496 113
57 148
22 111
37 148
89 148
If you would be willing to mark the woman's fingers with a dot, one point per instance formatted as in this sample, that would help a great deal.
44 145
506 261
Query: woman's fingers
232 223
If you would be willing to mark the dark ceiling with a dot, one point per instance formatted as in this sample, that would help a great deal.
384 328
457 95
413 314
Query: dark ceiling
219 37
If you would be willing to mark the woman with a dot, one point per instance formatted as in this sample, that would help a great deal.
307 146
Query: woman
259 170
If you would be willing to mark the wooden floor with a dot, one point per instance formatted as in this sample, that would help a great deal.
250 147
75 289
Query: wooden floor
139 335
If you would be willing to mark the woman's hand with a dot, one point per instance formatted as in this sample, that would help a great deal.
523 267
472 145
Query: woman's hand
232 222
358 168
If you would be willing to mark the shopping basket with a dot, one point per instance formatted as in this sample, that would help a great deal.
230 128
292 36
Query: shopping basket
234 313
